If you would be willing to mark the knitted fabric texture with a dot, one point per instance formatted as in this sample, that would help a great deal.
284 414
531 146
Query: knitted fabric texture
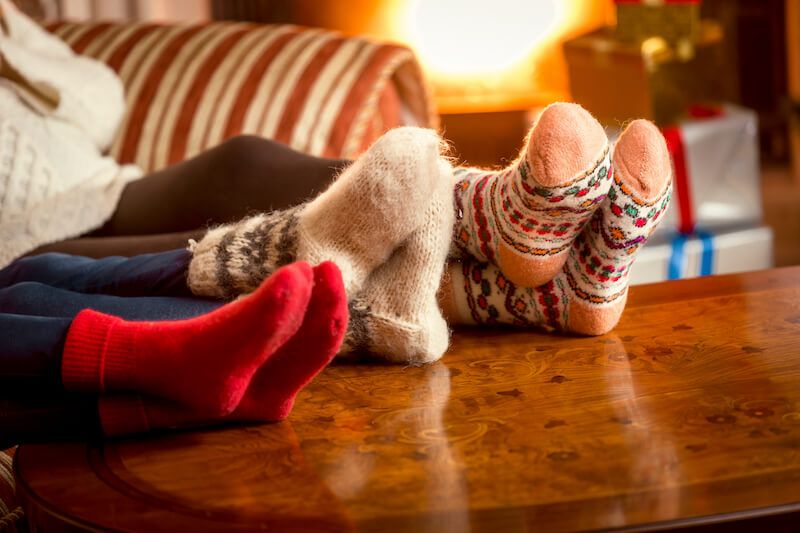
180 360
272 391
397 315
60 112
595 275
357 223
525 217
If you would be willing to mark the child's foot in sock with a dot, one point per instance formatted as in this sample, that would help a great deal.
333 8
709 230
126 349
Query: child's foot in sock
357 222
272 391
397 316
588 295
205 363
525 217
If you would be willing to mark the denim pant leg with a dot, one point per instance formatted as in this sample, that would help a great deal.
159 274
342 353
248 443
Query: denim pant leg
158 274
35 319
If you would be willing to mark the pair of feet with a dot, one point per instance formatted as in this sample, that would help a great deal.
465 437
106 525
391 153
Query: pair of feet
547 241
550 240
245 361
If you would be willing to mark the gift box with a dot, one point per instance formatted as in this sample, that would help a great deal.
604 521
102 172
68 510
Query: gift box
678 256
675 21
716 173
618 81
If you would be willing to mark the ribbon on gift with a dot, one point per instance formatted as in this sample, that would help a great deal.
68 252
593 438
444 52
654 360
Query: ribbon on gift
677 150
678 254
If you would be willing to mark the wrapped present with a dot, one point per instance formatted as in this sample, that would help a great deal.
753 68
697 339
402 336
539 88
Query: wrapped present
619 81
675 21
678 256
717 179
716 170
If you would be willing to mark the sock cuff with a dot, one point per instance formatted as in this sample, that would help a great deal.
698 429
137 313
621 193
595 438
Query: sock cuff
85 350
99 352
122 415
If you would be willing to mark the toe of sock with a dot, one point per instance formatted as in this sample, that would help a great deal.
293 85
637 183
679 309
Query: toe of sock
565 142
641 159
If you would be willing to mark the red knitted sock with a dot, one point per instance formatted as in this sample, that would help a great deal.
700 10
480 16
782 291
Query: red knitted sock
273 389
205 363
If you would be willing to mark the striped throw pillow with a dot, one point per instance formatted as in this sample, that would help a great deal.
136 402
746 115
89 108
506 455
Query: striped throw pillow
192 87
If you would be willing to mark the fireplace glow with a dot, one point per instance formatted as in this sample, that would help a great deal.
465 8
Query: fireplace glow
478 37
479 55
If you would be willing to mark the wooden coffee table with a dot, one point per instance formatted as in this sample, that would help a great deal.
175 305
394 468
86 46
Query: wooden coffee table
688 414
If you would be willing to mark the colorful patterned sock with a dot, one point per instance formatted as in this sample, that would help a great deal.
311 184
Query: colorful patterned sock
396 317
357 222
272 391
205 363
589 293
524 218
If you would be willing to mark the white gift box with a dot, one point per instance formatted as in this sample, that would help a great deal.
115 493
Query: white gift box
678 256
720 185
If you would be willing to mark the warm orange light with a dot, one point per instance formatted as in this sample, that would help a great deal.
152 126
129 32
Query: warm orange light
477 37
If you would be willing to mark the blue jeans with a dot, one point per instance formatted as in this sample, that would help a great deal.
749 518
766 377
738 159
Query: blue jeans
39 297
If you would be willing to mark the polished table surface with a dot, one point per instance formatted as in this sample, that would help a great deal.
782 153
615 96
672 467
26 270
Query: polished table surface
687 414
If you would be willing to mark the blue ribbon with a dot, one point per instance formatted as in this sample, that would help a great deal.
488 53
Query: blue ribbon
677 257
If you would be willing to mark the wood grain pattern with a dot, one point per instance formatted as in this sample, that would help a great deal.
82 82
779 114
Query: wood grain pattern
687 414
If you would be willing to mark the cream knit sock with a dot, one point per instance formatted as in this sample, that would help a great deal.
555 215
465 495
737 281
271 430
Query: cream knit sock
357 222
396 316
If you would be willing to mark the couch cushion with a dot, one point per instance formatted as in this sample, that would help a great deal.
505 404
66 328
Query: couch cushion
191 87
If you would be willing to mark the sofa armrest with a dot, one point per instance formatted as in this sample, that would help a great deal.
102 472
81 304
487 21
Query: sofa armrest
191 87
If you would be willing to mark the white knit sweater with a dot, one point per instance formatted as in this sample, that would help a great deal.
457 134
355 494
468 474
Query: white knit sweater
58 114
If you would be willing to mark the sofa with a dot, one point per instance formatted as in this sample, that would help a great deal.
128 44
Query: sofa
190 87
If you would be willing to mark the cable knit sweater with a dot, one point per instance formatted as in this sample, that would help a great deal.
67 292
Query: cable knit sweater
58 114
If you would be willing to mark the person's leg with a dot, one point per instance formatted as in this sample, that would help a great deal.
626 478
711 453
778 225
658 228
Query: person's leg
525 217
358 222
161 274
31 298
43 356
127 245
223 184
204 363
272 392
588 295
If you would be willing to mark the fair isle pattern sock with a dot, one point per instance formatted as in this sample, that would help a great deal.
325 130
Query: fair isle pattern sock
397 317
525 217
589 293
357 222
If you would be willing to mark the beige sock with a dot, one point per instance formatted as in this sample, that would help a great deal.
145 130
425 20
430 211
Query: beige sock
357 222
396 316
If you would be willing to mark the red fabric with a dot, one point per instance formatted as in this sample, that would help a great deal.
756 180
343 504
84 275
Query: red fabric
204 363
686 222
272 392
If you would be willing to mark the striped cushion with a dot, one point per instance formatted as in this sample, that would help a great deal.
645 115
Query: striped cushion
191 87
10 511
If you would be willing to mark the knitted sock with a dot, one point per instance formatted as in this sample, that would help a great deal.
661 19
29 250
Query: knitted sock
397 316
357 222
273 389
589 293
205 363
524 218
